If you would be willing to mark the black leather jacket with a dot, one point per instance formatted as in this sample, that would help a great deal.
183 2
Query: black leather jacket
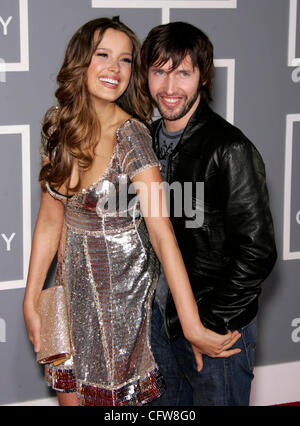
229 256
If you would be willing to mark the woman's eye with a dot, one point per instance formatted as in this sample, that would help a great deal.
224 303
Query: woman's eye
103 55
127 60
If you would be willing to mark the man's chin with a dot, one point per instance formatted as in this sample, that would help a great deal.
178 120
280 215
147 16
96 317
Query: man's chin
170 115
180 112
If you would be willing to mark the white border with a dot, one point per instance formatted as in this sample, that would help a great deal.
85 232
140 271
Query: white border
276 384
165 5
292 60
23 65
24 130
287 253
49 402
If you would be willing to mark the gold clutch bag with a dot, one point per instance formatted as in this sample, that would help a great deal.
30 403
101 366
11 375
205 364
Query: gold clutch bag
55 335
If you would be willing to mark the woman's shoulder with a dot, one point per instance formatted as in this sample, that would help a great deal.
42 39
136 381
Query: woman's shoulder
133 128
134 144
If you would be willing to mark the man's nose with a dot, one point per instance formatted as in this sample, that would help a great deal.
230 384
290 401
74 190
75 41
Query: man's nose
170 84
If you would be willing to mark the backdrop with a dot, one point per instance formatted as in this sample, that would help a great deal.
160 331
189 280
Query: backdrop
257 58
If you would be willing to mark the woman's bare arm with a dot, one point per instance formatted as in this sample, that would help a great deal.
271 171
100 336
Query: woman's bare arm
45 243
203 340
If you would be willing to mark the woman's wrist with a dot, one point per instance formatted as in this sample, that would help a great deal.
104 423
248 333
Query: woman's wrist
30 302
193 331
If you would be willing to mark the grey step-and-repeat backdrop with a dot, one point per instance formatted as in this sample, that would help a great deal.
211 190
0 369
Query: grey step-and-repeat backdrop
257 57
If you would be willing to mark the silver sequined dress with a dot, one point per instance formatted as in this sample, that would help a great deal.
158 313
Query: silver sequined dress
109 271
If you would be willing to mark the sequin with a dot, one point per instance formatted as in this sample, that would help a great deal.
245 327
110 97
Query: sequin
61 380
110 271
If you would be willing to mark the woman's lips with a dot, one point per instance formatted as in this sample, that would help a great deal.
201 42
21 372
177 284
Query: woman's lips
109 82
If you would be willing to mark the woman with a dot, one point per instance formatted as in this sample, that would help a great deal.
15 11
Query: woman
94 145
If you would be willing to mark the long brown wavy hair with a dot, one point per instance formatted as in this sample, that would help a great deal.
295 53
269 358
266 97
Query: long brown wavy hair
71 130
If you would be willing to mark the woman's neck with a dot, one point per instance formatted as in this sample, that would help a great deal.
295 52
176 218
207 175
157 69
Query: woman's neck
107 114
110 117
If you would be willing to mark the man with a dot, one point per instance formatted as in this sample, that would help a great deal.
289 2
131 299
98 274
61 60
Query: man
231 253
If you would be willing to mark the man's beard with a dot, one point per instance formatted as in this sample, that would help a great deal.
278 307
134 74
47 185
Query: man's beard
176 115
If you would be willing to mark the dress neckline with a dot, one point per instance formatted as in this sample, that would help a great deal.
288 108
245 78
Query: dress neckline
104 174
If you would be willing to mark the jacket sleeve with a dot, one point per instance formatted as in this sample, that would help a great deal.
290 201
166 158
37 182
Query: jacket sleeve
249 235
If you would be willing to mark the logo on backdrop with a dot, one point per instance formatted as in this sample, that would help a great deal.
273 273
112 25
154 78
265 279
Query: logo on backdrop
8 240
14 48
293 61
296 332
2 330
15 217
4 22
296 75
2 71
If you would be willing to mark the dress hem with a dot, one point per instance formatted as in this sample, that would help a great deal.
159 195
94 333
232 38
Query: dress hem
136 393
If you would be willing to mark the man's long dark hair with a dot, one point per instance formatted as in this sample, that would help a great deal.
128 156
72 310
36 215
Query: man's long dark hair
175 41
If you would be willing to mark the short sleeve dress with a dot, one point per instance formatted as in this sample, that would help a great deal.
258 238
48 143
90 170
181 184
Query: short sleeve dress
110 271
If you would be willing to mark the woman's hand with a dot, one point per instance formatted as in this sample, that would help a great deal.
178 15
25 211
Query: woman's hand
33 325
212 344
